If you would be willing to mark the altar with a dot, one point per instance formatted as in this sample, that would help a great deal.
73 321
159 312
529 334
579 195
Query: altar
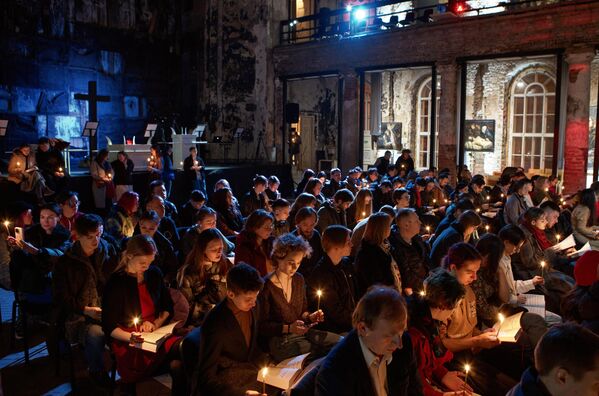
138 153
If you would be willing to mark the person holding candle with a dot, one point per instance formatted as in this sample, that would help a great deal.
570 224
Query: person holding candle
286 324
123 174
334 276
137 289
540 192
202 277
155 164
23 170
527 263
360 208
123 217
100 171
409 250
166 257
205 219
405 162
51 164
584 224
194 171
426 315
78 284
517 202
376 357
230 357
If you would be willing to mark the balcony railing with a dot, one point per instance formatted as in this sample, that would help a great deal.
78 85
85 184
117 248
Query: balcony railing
384 16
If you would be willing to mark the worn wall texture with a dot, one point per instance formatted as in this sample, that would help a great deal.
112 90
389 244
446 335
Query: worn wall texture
488 90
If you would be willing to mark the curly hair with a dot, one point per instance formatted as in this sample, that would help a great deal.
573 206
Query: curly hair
287 244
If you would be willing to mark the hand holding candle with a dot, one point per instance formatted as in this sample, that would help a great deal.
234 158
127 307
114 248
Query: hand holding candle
6 224
136 324
467 370
264 373
558 236
543 264
318 294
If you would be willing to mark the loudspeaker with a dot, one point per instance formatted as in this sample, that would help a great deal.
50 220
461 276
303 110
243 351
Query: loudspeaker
292 113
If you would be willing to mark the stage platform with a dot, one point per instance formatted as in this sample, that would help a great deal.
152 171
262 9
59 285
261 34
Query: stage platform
239 176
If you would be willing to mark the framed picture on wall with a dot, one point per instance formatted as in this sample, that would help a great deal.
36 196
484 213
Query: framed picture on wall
479 135
390 136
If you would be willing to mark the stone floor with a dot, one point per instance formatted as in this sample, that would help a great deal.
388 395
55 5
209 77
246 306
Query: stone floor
38 377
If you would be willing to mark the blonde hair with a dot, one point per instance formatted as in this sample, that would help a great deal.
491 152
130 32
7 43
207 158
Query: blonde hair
377 228
286 244
137 245
362 207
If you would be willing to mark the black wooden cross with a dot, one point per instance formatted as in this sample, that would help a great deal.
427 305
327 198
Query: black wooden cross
93 98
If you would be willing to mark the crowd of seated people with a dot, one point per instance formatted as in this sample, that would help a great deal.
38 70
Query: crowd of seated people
391 280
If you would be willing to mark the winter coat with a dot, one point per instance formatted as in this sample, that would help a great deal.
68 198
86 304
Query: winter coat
452 235
373 266
328 215
248 251
412 259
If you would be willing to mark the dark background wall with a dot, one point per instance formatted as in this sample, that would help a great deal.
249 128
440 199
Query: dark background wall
50 50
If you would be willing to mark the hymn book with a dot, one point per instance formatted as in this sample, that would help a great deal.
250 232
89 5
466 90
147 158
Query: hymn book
153 340
583 250
284 374
509 330
566 244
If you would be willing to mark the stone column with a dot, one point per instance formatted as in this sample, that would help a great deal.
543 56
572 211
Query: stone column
350 122
447 153
576 143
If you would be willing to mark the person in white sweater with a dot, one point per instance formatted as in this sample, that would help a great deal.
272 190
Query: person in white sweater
512 291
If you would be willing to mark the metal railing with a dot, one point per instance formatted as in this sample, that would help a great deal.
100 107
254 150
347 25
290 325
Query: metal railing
373 18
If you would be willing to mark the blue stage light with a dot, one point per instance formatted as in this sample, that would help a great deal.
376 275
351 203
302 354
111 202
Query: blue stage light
360 14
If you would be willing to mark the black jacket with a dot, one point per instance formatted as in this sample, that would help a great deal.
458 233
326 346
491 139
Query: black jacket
123 174
29 273
328 215
530 385
338 284
408 164
452 235
373 266
308 263
412 259
344 372
223 348
331 187
380 199
187 215
251 202
168 228
120 303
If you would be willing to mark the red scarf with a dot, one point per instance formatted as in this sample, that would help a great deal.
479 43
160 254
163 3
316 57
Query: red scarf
539 235
418 199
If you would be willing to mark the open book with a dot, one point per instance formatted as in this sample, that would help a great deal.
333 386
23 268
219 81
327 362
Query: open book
509 330
153 340
535 303
567 243
284 374
585 248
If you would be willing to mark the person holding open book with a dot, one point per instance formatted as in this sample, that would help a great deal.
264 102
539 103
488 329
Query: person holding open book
427 312
286 322
136 302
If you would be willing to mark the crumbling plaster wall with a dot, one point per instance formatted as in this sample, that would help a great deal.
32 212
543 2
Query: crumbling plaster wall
488 90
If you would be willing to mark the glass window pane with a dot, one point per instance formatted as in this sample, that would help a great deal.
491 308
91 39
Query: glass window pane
516 160
518 121
550 104
518 105
529 124
530 105
549 125
539 102
527 149
538 124
548 162
537 162
517 145
549 146
536 144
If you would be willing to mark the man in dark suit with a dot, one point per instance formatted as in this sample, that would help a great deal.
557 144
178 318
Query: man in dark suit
229 357
376 358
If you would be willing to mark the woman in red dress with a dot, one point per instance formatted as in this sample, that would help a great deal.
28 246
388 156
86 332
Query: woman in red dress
137 291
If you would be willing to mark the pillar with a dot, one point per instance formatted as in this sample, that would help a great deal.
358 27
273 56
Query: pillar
576 142
448 118
350 123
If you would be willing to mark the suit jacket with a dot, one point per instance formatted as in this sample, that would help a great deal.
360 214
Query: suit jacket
223 347
344 371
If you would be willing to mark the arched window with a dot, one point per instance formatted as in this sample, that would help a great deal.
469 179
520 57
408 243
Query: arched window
532 106
424 125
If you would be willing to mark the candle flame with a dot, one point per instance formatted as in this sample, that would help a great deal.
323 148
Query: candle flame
264 372
6 223
487 228
501 318
422 293
319 293
543 264
467 368
135 321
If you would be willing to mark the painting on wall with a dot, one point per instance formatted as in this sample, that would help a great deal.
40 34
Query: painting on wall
479 135
390 136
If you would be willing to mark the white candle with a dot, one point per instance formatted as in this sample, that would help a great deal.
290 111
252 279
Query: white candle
6 223
135 323
264 374
467 370
319 294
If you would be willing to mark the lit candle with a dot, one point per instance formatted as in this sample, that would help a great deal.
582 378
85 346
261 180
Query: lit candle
110 176
363 214
264 374
434 201
422 293
18 163
502 195
181 163
135 323
319 294
428 229
60 170
488 198
487 228
477 210
149 159
558 236
501 319
446 201
6 223
543 264
403 166
467 370
195 163
546 190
